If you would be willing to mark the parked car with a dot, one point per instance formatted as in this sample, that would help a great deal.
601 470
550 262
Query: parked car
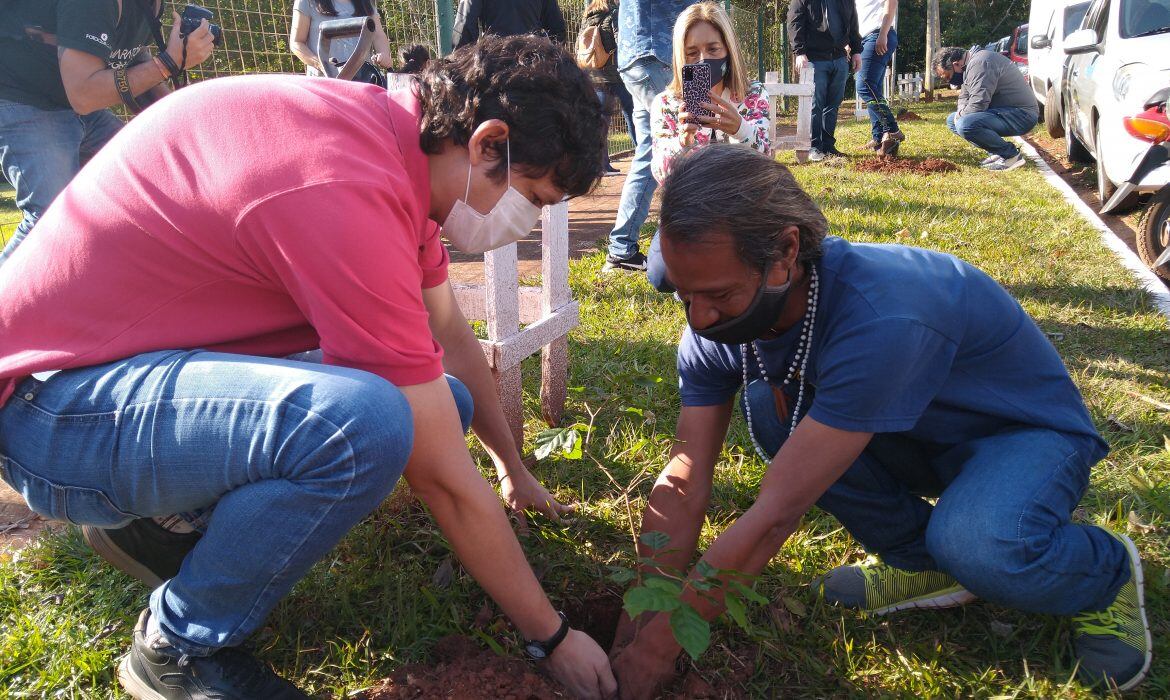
1049 22
1018 51
1116 60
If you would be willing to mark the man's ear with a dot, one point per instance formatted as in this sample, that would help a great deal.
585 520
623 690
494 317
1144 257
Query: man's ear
481 146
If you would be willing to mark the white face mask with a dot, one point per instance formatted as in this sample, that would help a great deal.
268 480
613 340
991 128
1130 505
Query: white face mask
509 220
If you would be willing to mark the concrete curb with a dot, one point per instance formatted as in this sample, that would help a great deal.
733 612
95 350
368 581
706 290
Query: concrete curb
1159 294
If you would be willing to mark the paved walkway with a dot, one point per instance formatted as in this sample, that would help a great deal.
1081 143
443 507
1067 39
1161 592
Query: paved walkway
590 220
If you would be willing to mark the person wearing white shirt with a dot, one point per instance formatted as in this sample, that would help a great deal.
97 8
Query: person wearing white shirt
879 39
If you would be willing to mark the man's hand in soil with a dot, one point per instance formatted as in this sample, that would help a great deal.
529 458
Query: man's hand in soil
522 491
582 667
647 663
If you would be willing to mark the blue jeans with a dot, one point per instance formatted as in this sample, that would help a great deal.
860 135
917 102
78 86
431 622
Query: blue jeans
656 268
40 152
644 78
871 82
625 103
987 129
828 91
290 454
1001 525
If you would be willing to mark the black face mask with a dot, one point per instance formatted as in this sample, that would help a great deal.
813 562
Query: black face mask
718 69
756 320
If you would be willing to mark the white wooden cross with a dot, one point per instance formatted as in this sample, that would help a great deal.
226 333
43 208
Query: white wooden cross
548 313
803 91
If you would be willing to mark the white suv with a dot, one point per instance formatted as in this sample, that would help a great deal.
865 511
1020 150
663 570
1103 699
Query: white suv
1049 22
1119 57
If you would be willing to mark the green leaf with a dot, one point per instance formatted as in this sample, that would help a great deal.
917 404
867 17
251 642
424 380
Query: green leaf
655 540
748 593
663 584
706 570
493 644
546 442
795 606
636 411
573 449
647 382
639 599
620 574
690 630
701 584
737 610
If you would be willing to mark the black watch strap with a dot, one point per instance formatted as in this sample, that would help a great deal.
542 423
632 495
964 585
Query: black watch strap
539 651
122 84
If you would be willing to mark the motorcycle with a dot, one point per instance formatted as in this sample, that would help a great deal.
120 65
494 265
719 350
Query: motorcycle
1152 174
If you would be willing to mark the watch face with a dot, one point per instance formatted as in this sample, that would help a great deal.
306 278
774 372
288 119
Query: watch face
535 651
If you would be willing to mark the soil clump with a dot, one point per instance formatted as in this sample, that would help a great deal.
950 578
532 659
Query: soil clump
928 166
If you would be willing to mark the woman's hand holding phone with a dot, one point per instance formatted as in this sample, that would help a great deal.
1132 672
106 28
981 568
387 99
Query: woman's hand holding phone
725 117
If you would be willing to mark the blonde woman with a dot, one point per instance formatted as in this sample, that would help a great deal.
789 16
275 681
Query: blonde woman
741 110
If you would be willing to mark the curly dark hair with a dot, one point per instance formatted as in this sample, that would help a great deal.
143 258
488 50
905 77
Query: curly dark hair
556 121
733 189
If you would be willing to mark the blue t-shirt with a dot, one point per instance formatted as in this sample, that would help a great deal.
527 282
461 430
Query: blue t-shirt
645 28
908 341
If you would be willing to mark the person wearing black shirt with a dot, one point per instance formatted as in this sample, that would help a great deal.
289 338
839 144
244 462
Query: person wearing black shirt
59 63
825 33
508 17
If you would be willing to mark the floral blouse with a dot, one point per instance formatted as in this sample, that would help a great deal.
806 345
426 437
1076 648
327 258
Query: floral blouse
755 113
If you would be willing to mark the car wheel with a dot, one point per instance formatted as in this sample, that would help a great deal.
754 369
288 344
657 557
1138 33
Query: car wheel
1154 234
1052 123
1073 147
1105 186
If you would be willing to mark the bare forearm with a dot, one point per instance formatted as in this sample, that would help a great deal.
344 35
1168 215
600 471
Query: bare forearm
302 51
463 358
99 91
891 13
677 511
478 530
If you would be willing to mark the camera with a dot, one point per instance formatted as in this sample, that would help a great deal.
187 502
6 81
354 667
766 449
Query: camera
192 16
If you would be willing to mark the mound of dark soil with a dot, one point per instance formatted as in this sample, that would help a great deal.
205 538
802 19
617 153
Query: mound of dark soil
928 166
905 116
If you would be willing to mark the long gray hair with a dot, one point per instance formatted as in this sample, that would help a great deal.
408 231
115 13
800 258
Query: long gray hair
733 189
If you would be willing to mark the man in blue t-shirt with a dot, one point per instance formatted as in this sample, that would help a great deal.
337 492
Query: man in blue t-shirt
875 376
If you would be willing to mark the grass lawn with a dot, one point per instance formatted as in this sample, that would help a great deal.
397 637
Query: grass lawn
373 604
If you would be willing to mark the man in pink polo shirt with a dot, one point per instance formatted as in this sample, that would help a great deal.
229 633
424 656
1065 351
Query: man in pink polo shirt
233 224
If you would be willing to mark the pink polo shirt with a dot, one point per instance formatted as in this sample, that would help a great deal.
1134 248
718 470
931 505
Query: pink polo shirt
260 215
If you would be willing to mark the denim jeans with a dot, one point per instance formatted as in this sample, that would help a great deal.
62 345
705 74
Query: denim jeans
987 129
870 82
625 103
656 268
290 454
828 91
644 78
40 152
1001 524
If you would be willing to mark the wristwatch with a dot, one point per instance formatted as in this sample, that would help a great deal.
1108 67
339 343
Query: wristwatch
539 651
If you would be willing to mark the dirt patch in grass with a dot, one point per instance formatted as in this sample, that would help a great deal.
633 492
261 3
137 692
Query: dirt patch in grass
907 116
927 166
464 670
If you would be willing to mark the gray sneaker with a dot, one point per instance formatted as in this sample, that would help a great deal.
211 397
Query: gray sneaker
989 160
815 155
878 588
1016 161
1113 646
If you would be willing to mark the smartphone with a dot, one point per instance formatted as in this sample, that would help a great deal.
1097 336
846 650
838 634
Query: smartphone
697 89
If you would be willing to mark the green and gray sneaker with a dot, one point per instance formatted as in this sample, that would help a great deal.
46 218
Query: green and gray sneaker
878 588
1113 645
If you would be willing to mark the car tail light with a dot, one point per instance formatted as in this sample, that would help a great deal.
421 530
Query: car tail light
1151 125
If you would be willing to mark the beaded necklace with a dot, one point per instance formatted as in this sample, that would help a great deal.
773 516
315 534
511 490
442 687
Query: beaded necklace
796 369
